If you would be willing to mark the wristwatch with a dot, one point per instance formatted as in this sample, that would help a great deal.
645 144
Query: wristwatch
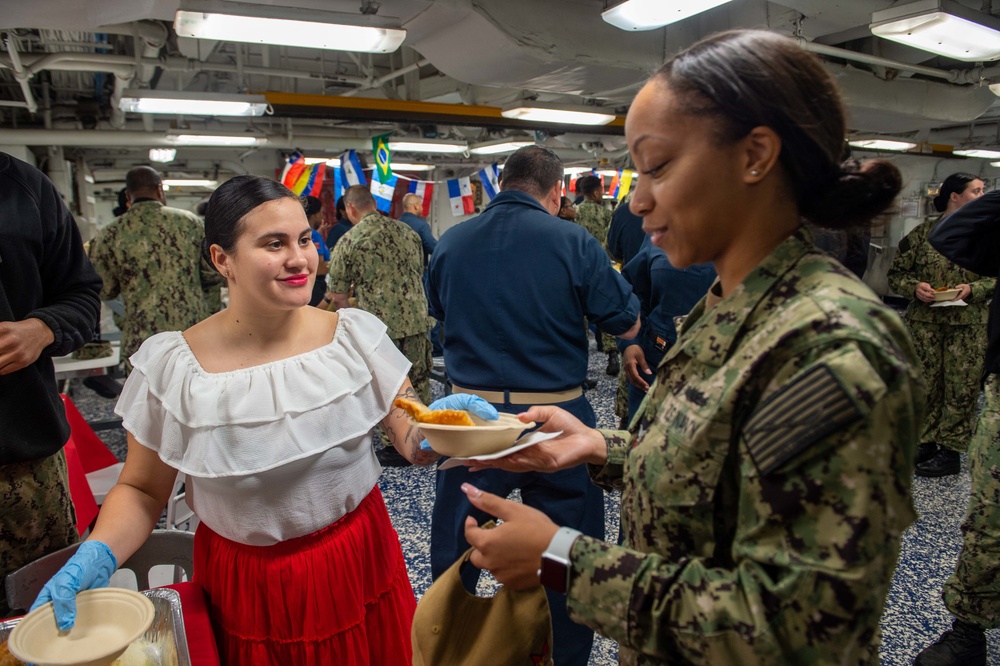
554 573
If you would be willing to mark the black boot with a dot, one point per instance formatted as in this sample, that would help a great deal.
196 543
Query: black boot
926 451
962 645
944 463
589 384
103 385
613 365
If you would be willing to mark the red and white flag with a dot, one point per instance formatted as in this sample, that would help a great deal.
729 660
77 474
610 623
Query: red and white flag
425 190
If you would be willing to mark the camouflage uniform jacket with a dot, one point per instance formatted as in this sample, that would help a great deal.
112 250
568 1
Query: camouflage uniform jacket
384 261
766 479
595 218
151 255
918 261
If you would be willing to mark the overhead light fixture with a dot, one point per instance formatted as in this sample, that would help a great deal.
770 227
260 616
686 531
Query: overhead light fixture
427 147
944 27
408 166
329 161
650 14
543 112
882 143
995 89
200 104
284 26
222 140
162 154
573 171
190 182
497 147
975 152
996 164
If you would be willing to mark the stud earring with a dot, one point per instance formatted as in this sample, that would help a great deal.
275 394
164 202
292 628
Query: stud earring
754 172
227 275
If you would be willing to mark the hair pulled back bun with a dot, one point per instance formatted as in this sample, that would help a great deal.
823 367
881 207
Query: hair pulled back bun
956 183
861 191
755 78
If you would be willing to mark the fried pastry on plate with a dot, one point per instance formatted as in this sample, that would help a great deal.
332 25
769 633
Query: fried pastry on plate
421 414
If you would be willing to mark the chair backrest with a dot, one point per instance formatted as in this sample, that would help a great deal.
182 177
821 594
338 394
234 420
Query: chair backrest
170 547
180 515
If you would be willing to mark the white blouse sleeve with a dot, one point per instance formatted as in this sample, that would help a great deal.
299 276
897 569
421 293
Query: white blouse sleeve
253 419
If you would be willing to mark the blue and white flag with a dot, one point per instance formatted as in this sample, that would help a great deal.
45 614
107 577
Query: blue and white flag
460 197
353 175
490 178
383 193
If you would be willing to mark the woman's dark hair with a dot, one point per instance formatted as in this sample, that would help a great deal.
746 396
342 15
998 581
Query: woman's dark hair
230 203
956 183
341 209
752 78
312 205
565 201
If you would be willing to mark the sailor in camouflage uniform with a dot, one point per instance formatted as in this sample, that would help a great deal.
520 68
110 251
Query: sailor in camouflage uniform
595 218
381 265
766 479
152 256
950 340
971 238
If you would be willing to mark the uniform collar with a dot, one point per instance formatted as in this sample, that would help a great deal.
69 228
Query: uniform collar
516 197
709 334
373 217
142 201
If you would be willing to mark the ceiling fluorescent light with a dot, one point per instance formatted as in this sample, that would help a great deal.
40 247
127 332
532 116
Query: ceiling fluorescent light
162 154
190 182
200 104
543 112
995 89
273 24
882 144
944 27
497 147
427 147
573 171
984 154
996 164
407 166
329 161
190 139
650 14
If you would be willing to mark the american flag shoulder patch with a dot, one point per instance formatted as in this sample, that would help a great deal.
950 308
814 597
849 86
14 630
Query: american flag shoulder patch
798 415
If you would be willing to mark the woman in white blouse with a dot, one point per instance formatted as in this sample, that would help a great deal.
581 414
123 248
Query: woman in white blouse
267 407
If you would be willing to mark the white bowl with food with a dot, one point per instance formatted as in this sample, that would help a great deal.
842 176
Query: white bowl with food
108 620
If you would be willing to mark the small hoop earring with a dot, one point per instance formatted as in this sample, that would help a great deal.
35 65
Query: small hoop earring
754 172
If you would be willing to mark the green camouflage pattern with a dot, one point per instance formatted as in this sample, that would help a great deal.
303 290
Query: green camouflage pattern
951 358
917 261
36 514
383 261
151 255
596 219
621 396
972 593
726 559
417 349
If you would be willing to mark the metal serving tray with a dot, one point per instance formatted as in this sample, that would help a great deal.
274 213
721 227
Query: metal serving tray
166 635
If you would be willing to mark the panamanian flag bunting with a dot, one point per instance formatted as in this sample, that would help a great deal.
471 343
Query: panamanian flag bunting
383 193
425 190
460 196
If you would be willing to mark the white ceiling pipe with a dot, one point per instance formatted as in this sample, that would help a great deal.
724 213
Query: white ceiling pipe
396 73
960 76
20 74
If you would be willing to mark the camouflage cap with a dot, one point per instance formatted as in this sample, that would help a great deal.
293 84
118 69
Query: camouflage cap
454 627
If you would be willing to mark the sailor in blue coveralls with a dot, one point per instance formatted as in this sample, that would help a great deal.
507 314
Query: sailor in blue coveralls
513 287
664 292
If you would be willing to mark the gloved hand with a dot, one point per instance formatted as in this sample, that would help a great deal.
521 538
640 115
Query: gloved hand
468 402
91 566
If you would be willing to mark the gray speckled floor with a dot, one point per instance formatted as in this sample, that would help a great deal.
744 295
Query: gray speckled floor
914 614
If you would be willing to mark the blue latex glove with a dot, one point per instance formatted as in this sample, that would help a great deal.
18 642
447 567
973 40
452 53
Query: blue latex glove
467 402
91 566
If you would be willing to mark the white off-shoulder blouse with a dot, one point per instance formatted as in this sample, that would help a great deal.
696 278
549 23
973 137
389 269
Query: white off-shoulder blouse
275 451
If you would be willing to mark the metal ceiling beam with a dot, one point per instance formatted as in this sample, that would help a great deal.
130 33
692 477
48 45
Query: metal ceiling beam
368 108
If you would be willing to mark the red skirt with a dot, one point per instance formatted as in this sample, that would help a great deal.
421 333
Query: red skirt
338 596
